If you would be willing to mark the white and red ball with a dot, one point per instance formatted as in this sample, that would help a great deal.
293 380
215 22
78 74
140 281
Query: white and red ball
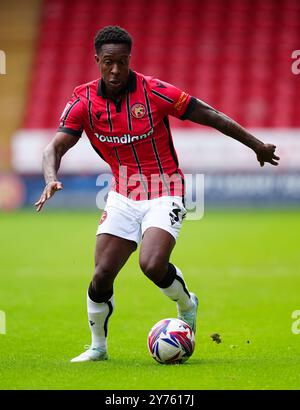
171 341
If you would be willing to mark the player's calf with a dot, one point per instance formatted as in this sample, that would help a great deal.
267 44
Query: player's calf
174 286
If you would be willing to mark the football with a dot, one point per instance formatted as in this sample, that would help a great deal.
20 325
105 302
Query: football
171 341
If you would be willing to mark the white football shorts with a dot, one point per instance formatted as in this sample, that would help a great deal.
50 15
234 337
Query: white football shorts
129 219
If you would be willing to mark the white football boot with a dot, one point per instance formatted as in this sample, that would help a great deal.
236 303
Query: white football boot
190 316
92 354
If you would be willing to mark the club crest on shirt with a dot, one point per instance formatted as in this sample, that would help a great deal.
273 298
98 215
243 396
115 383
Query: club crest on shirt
138 110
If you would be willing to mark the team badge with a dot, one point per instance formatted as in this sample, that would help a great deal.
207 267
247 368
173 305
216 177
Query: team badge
103 217
138 110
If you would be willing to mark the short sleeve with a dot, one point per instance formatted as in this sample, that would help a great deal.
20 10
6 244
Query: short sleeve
172 100
71 118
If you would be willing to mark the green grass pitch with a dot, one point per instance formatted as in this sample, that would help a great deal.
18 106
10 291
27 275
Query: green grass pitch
243 265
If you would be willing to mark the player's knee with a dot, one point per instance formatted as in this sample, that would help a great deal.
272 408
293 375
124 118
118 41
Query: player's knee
103 278
154 268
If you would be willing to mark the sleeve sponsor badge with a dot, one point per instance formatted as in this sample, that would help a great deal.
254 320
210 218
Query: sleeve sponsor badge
182 99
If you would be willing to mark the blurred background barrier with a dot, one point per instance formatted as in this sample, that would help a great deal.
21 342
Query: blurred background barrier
234 54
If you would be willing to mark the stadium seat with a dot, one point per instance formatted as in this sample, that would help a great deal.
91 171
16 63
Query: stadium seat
231 54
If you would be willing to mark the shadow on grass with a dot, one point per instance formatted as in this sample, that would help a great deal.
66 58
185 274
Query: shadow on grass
151 364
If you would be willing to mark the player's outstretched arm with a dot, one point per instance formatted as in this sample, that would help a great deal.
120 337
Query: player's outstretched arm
206 115
52 156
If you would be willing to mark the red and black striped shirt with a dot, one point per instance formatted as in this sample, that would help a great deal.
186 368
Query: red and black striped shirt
132 135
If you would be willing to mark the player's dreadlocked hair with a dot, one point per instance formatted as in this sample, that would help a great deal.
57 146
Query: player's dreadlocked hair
112 34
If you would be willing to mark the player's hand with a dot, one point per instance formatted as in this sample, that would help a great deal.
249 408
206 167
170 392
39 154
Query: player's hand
48 192
266 153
